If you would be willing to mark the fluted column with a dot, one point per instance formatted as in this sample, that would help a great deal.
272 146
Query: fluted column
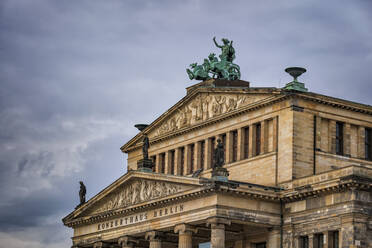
127 242
184 235
218 231
154 238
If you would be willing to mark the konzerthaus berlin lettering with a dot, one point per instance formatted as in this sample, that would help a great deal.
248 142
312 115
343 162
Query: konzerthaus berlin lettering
298 174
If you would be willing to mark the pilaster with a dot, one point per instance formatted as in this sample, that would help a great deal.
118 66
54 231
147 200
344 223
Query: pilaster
197 156
332 136
264 137
240 152
157 163
252 138
208 154
187 163
228 148
275 133
311 239
361 142
167 162
177 161
273 239
347 139
318 132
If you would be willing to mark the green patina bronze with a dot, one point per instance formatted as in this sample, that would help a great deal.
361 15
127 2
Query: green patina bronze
222 68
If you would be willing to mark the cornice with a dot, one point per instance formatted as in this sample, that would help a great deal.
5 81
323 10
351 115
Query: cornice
342 184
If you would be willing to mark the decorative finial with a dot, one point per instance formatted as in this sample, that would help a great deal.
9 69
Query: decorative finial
295 72
140 127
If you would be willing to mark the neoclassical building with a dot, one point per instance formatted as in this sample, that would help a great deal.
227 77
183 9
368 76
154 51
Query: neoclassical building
299 175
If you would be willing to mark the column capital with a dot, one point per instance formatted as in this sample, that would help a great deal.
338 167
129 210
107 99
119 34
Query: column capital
100 244
218 223
185 228
127 241
153 235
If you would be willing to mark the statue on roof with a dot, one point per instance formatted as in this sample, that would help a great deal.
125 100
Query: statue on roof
214 68
219 155
228 52
145 147
82 193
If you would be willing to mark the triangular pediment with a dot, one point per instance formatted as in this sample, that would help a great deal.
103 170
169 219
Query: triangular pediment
134 192
134 189
202 104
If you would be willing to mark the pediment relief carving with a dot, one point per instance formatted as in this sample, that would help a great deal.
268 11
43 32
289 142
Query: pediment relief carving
138 191
203 107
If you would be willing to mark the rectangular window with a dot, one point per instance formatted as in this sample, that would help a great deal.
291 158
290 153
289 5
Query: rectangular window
368 143
258 139
213 144
192 158
246 142
182 159
318 240
153 158
339 138
304 242
202 153
234 146
261 245
334 239
171 162
162 163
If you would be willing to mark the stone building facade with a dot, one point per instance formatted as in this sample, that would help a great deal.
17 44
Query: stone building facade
300 175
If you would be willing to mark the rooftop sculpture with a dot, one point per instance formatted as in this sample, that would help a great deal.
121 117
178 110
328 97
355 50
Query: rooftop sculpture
222 68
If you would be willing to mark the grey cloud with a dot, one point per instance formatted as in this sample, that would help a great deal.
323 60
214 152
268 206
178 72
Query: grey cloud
76 75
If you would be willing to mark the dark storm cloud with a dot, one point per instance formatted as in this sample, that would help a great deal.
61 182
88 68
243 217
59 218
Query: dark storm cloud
76 75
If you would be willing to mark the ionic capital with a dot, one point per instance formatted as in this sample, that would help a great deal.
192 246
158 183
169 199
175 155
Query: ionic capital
154 235
218 223
100 244
184 228
127 241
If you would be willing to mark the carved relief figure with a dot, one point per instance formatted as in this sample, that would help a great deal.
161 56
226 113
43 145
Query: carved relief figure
138 191
202 108
217 107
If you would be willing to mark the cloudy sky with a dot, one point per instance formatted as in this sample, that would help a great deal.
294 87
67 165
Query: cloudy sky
77 75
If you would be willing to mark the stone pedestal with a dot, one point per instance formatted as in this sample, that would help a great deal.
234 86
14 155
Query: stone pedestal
218 231
184 235
127 242
145 165
154 239
220 174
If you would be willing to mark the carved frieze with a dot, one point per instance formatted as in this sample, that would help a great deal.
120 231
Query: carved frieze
136 192
203 107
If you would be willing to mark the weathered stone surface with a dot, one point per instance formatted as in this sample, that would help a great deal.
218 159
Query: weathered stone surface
286 182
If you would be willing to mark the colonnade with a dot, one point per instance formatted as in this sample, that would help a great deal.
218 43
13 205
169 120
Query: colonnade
156 239
240 143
